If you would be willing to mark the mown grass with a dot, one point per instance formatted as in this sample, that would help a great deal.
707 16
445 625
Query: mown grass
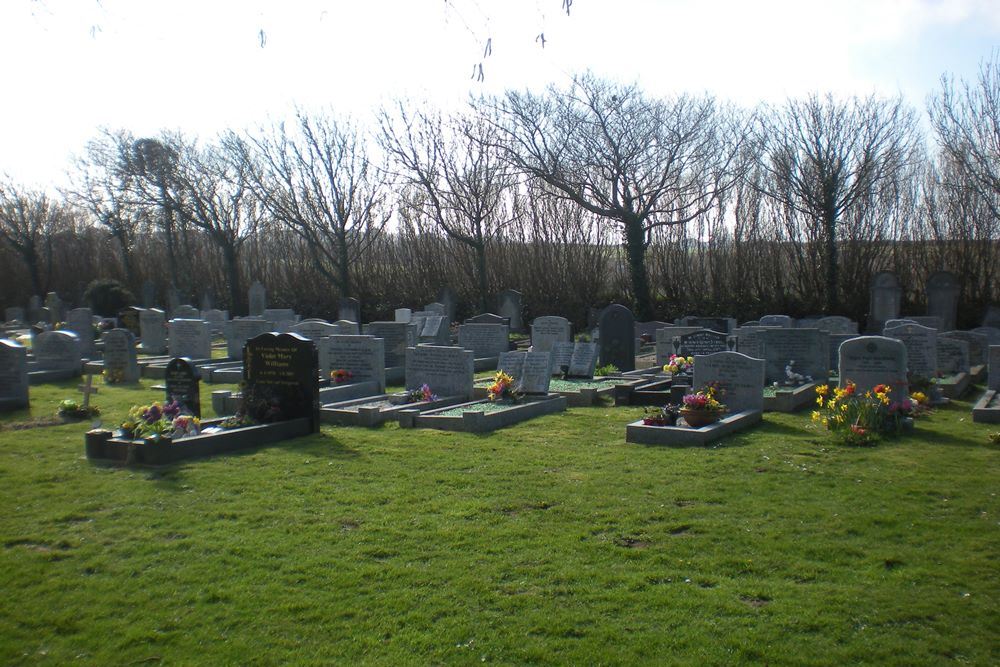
551 542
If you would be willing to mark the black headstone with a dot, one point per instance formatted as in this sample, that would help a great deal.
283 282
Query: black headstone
617 337
183 381
700 343
281 378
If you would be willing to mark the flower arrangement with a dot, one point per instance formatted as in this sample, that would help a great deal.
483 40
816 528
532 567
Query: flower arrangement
861 419
424 393
503 387
678 364
704 399
71 409
156 421
113 375
665 416
341 376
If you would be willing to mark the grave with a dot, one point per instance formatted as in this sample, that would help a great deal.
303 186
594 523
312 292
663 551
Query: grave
281 398
363 356
929 321
148 294
724 324
56 357
509 305
488 318
183 384
403 315
783 321
992 334
978 344
120 362
942 291
987 408
616 331
953 367
55 307
185 312
128 318
807 348
885 295
347 328
436 308
282 319
398 336
836 324
81 322
216 319
548 330
487 342
189 338
241 329
13 375
921 348
349 309
665 343
153 331
740 379
448 298
701 342
257 299
868 361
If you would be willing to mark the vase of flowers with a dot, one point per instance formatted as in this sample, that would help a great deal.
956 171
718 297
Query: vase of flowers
702 407
678 365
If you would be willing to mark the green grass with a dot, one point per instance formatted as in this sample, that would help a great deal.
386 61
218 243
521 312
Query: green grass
550 542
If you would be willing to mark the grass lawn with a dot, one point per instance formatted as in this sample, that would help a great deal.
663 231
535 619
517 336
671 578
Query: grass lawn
550 542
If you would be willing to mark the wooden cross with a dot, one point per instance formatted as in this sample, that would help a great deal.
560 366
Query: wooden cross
87 390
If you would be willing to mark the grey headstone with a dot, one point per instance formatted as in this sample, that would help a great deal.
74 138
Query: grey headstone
448 297
314 330
120 355
993 379
616 329
885 295
868 361
648 329
55 306
835 342
992 334
57 351
283 319
364 356
510 306
13 375
148 294
403 315
257 297
448 371
349 309
991 318
835 324
189 338
808 348
398 336
741 379
898 322
81 322
723 324
583 362
485 340
511 363
216 319
206 302
952 356
153 330
783 321
750 340
185 312
977 344
929 321
943 289
921 348
347 328
14 314
488 318
436 308
241 329
536 373
562 355
547 330
34 308
173 300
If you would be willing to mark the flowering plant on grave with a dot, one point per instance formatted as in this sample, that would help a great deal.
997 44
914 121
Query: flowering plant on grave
678 364
341 376
861 419
113 376
156 420
503 387
665 416
704 399
73 409
422 394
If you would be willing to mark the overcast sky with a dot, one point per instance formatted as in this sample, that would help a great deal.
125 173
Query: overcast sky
73 66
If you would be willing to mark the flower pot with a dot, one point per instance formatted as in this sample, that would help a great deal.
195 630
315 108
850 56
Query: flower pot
699 418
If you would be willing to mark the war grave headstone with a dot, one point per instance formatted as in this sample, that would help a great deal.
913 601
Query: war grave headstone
398 337
148 294
81 322
349 309
120 363
987 408
836 324
57 356
241 329
403 315
616 328
189 338
216 319
55 306
129 318
14 314
885 295
921 348
868 361
783 321
488 318
257 298
183 384
487 341
509 305
548 330
740 381
153 331
929 321
13 375
449 299
953 367
942 292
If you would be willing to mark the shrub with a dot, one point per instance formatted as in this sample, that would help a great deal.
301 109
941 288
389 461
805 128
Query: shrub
106 297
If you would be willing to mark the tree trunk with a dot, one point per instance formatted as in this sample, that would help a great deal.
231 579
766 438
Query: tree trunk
635 249
231 260
126 262
832 300
480 250
344 267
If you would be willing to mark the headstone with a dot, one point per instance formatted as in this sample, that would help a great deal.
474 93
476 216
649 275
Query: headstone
485 340
993 377
54 304
449 299
739 377
648 329
281 376
536 373
349 309
808 348
185 312
241 329
868 361
257 298
153 330
435 331
665 341
128 318
189 338
347 328
992 334
57 351
14 314
314 330
363 356
13 375
282 319
562 355
216 319
448 371
952 356
723 324
81 322
942 290
783 321
699 342
509 305
488 318
119 356
583 361
885 295
206 303
835 324
991 318
547 330
898 322
173 300
617 337
836 340
929 321
511 363
978 343
921 348
397 336
148 294
436 308
403 315
183 384
34 308
750 340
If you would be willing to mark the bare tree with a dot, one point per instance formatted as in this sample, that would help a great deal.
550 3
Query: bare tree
320 182
828 160
29 222
456 177
637 162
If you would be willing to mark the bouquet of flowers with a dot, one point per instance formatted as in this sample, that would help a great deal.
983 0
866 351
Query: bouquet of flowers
424 393
678 364
704 399
861 419
503 387
156 421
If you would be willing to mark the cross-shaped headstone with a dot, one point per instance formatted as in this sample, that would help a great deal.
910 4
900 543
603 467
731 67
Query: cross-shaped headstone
87 390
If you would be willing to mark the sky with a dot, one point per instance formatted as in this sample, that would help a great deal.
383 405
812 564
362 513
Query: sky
72 67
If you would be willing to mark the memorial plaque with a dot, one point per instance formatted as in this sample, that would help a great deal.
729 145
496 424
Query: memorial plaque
448 371
190 338
921 348
183 384
868 361
739 377
120 363
363 356
616 329
13 375
485 340
583 362
548 330
281 376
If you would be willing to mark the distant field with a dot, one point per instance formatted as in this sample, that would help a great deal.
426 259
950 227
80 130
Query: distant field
552 542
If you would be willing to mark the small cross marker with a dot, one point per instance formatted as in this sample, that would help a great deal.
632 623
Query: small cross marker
87 390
